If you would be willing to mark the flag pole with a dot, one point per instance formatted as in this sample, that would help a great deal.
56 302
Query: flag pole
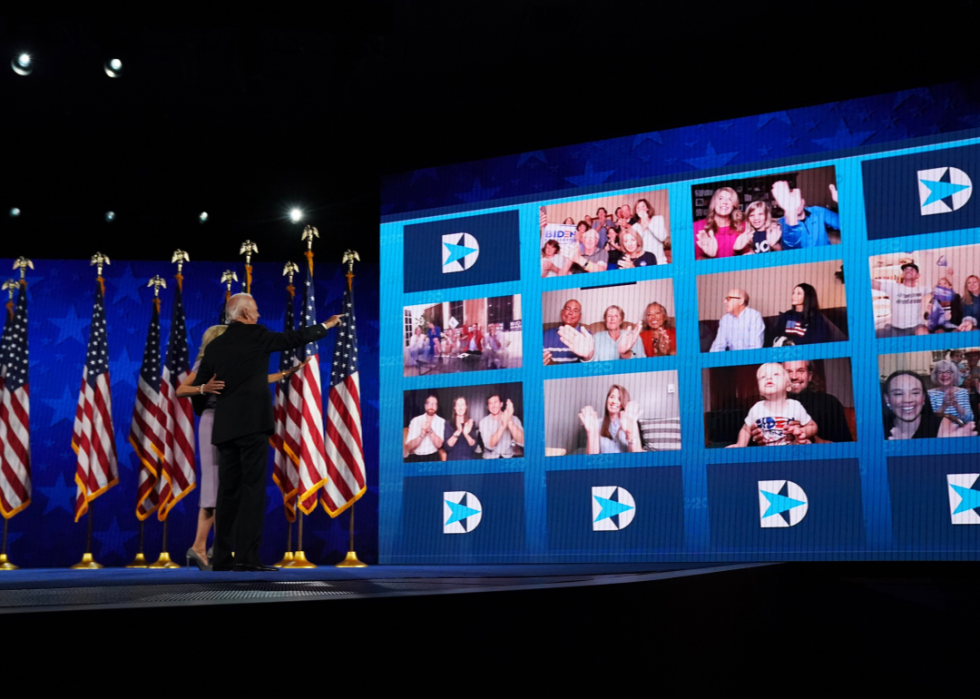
87 562
299 557
164 560
248 249
140 560
287 559
4 563
351 561
9 287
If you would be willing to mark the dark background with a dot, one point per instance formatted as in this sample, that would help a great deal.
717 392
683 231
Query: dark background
246 114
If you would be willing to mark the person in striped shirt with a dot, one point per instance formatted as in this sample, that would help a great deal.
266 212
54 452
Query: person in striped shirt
948 398
569 342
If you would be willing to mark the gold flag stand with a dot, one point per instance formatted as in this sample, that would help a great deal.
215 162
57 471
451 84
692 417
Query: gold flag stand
299 556
352 560
140 560
287 559
164 560
87 562
5 564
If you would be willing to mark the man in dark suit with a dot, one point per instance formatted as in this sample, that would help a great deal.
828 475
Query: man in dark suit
243 422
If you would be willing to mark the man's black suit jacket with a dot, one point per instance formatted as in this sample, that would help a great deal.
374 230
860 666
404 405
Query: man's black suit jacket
240 358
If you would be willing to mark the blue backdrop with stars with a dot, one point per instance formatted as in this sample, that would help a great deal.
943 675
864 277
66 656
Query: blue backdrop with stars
60 307
683 152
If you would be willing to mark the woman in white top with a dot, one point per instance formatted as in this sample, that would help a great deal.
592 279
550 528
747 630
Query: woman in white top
553 263
652 229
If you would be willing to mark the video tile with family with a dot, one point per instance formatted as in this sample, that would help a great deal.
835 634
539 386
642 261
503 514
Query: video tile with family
772 307
614 414
456 336
462 423
622 231
931 394
769 213
779 404
607 323
927 291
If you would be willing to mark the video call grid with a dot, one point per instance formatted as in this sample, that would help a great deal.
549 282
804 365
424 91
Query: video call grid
874 246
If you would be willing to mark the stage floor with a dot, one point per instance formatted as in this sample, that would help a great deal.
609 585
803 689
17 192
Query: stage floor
120 588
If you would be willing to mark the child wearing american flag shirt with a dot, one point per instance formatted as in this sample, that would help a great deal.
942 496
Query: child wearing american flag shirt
782 420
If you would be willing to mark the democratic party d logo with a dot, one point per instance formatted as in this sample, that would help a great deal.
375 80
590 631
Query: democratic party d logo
613 508
964 500
943 189
461 512
781 504
460 251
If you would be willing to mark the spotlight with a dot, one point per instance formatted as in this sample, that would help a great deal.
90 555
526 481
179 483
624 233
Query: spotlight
22 64
110 216
113 68
296 215
15 212
203 217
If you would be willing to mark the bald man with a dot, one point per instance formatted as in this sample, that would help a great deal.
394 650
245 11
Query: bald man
741 327
242 426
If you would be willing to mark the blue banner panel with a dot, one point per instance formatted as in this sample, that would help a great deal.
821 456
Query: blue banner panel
786 506
454 517
936 502
614 511
921 193
462 252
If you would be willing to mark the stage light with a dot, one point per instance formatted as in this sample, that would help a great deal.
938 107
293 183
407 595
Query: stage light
22 64
110 216
113 68
15 212
203 217
296 215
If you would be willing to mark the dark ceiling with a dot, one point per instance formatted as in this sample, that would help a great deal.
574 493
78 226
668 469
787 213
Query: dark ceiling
245 115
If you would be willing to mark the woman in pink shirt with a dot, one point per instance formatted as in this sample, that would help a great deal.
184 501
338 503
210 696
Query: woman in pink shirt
715 235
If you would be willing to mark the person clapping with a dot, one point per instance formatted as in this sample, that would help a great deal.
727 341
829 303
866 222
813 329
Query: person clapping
618 432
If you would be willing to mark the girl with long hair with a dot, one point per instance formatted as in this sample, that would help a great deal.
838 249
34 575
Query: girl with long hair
908 413
619 430
461 444
761 233
803 324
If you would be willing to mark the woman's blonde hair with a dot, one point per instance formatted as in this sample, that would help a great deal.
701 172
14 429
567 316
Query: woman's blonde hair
737 216
209 334
639 242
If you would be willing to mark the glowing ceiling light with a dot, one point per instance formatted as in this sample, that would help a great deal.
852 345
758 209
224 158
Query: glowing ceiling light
296 215
22 64
110 216
113 68
203 217
15 212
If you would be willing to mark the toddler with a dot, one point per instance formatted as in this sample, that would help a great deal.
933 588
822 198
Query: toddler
781 419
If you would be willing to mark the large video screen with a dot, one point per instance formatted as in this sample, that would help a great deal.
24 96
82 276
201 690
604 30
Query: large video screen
594 366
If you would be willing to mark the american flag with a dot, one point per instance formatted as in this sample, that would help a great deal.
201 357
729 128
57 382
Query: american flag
285 440
92 438
147 431
15 410
305 394
345 449
178 477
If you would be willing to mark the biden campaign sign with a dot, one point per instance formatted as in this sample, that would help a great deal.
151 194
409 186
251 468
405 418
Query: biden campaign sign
463 251
921 193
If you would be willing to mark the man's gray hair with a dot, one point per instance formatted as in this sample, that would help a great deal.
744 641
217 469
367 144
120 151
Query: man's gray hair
236 304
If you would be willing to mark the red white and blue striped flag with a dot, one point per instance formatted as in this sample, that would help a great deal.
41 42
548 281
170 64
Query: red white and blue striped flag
178 477
92 438
15 410
285 440
305 394
345 448
147 432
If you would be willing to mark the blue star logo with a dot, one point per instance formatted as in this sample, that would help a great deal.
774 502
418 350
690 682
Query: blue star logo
459 512
970 499
780 503
590 176
711 159
610 508
941 190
